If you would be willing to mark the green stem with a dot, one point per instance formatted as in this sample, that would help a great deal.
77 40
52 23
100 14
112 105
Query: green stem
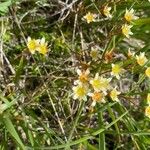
101 135
76 121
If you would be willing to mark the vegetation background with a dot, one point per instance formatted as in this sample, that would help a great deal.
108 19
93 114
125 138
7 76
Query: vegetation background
37 108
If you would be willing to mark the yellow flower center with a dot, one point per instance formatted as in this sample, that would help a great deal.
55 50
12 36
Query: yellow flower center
125 30
114 94
43 49
32 45
99 84
116 69
90 17
106 11
129 17
83 77
141 61
80 91
96 83
97 96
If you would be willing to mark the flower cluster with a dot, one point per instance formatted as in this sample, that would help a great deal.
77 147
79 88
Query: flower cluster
128 16
142 61
91 17
126 28
81 85
37 45
96 88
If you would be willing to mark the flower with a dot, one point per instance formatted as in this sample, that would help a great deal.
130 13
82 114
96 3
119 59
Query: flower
130 54
126 30
100 83
32 44
106 11
147 72
114 94
80 92
148 98
94 53
90 17
129 15
83 76
116 70
147 111
42 47
97 97
141 59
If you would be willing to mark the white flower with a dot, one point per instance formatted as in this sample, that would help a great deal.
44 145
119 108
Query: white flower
141 59
97 97
114 95
42 47
106 11
130 54
100 83
94 53
32 45
83 76
90 17
80 92
129 15
116 70
126 30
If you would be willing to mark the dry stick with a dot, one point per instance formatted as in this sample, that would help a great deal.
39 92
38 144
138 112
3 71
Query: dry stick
81 106
65 8
18 24
62 16
1 44
74 30
56 114
73 60
2 54
73 54
65 16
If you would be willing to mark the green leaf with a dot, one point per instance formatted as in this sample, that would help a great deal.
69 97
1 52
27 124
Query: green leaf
11 129
4 6
19 70
85 138
142 21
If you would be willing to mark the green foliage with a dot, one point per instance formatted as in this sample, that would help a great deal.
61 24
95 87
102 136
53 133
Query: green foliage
4 7
37 109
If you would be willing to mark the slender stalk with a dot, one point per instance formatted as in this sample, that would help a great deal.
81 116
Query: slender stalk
101 135
76 121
